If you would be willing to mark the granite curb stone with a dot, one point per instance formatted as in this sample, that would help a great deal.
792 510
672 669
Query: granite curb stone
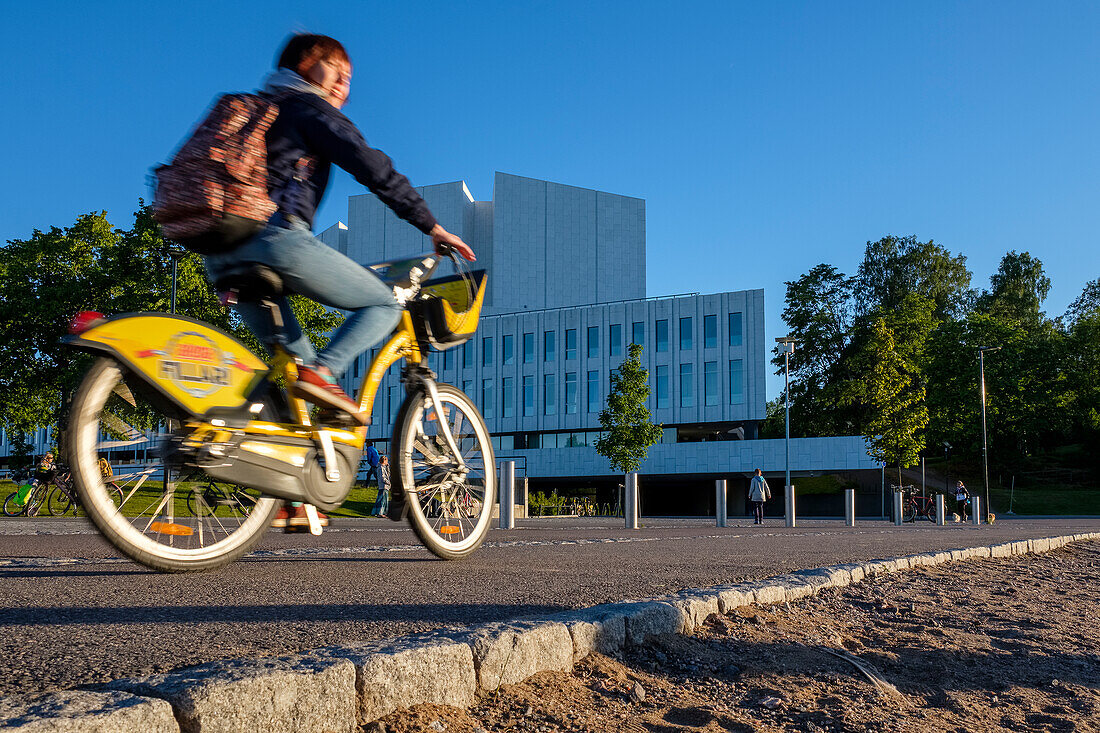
508 653
86 712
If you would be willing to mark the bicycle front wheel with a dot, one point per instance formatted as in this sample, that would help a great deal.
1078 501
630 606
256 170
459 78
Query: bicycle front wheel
450 497
58 502
11 507
149 523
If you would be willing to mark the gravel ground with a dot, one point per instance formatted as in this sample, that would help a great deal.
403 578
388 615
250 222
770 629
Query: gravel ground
979 645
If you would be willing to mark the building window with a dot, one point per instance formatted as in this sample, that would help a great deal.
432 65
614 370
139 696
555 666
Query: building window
685 333
487 351
549 395
570 393
468 354
710 332
448 359
548 346
615 339
570 343
687 385
662 385
593 342
486 398
507 349
710 383
735 329
637 333
468 386
593 391
737 381
661 336
528 395
507 397
528 348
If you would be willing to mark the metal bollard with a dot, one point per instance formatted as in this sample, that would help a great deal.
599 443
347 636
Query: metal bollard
720 512
790 506
975 510
941 516
849 507
507 494
630 511
897 509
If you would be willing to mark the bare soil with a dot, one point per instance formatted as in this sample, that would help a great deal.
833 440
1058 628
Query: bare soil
978 645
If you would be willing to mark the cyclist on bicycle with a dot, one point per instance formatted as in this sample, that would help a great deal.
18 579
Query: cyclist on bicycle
312 79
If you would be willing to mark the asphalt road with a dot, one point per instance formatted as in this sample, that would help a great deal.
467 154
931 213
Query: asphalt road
74 612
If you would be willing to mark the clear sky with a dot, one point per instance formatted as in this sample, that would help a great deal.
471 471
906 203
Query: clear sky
765 137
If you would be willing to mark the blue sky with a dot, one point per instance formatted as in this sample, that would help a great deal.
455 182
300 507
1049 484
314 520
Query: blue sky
765 137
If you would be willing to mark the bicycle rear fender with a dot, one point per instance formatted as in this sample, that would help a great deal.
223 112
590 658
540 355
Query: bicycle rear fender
196 366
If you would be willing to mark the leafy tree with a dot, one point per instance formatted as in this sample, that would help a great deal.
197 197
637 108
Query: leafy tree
892 395
626 419
52 275
1017 290
894 267
1086 304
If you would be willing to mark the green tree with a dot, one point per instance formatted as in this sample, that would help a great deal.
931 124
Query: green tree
1017 290
52 275
626 419
891 393
894 267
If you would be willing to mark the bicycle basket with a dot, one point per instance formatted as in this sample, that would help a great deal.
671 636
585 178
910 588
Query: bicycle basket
448 309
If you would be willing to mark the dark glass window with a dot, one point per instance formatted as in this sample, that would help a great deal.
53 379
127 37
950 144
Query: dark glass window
548 345
507 397
662 385
507 349
593 342
737 381
448 359
735 329
593 391
710 332
487 351
685 333
549 395
486 398
528 395
661 337
687 385
468 354
528 348
570 343
637 333
615 339
570 393
710 383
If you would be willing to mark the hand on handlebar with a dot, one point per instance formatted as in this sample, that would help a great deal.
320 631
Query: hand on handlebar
445 243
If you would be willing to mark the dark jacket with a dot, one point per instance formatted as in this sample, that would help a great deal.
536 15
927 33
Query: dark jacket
309 127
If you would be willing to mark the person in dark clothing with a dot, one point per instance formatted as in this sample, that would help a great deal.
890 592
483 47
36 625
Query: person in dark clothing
372 458
962 498
310 135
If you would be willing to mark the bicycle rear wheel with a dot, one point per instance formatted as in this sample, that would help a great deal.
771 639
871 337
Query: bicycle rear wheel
58 502
11 507
450 504
147 520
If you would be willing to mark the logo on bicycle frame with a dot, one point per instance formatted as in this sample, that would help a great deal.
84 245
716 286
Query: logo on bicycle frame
193 363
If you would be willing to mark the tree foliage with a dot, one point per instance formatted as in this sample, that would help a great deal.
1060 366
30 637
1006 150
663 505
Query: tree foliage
52 275
626 419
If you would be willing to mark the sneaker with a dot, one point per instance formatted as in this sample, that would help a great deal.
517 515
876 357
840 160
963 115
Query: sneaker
281 516
299 520
323 391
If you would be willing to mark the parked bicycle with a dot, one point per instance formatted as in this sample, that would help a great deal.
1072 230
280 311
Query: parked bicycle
215 409
918 505
28 498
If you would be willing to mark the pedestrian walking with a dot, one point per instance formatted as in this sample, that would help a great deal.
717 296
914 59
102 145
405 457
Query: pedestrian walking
372 459
962 498
759 492
382 503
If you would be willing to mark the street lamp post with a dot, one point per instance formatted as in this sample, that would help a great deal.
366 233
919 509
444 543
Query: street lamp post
177 254
786 347
985 451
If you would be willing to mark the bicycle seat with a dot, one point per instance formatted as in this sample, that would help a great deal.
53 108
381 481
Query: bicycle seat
251 282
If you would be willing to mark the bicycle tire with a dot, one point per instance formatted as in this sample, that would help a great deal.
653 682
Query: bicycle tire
420 475
11 507
909 512
58 502
154 546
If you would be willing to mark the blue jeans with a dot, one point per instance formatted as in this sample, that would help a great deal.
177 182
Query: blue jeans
313 269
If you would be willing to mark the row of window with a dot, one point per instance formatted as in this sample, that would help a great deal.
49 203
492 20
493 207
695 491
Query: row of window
592 341
593 400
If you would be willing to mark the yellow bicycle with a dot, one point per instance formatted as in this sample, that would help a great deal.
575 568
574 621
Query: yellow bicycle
211 406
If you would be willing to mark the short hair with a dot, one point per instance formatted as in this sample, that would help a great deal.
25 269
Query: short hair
308 46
